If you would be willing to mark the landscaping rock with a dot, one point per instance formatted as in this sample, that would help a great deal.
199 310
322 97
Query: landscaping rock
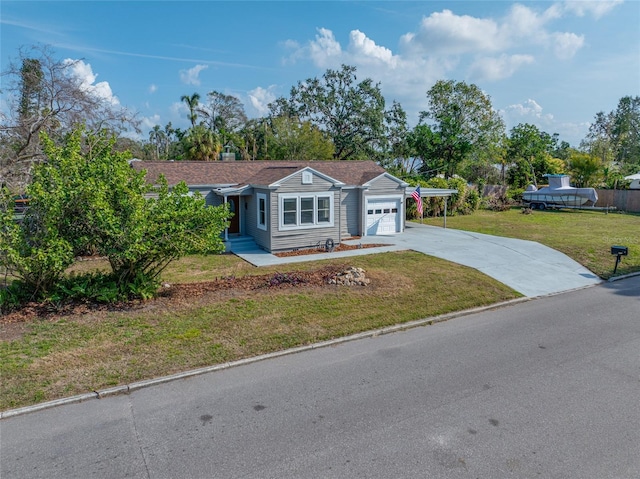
351 277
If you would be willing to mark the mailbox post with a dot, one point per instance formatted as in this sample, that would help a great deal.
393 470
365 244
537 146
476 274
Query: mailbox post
619 251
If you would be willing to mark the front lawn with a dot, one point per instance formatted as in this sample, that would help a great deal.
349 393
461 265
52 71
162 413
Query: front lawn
64 355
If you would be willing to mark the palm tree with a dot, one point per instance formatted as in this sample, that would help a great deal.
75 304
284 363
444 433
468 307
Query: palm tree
154 140
192 103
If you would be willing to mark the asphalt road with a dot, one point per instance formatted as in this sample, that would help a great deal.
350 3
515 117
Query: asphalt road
548 388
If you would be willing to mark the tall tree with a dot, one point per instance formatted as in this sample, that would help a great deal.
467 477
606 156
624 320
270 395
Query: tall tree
528 151
463 122
585 169
192 103
351 113
224 115
156 139
615 136
44 94
291 140
31 85
441 150
626 131
399 157
200 144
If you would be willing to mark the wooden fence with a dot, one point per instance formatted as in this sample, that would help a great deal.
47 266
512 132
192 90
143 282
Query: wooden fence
622 200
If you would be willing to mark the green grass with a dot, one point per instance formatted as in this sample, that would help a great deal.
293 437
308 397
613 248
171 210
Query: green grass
76 354
585 236
90 352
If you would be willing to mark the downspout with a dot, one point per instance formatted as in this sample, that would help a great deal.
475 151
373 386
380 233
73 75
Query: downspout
340 217
363 213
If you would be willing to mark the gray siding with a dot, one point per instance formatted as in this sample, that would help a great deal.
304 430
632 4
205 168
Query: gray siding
384 185
303 238
261 237
350 212
294 185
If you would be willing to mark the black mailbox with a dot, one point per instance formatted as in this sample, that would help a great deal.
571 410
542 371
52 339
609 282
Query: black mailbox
620 250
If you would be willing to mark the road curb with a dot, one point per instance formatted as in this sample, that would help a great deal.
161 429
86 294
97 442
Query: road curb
126 389
624 276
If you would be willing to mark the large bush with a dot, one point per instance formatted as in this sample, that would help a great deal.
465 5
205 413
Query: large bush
464 202
87 197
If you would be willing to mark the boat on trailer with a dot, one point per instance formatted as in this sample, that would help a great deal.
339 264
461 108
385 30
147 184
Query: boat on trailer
559 194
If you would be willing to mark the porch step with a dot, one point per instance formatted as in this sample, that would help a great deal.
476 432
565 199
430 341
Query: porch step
243 244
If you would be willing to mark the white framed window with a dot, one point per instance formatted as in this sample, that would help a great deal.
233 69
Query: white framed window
305 210
262 211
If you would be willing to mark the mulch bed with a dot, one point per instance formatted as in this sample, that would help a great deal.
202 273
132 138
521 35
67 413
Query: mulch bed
179 293
322 249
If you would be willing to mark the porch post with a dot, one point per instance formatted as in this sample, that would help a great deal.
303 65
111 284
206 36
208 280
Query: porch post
226 230
446 200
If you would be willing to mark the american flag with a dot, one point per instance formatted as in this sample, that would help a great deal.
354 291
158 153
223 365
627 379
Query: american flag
416 196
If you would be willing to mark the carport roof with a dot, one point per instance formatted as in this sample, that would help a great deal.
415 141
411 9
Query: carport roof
430 192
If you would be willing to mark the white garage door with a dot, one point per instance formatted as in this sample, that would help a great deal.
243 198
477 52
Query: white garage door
383 216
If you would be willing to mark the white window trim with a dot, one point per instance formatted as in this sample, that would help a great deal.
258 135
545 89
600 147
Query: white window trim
298 196
261 226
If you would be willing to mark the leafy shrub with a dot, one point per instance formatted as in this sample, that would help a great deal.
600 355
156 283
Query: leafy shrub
514 195
99 287
12 296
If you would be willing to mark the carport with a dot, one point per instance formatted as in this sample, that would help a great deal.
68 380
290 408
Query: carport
435 193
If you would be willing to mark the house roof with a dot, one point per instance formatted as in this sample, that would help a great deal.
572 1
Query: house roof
265 172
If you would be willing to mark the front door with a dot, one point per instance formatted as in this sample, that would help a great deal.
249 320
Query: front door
234 207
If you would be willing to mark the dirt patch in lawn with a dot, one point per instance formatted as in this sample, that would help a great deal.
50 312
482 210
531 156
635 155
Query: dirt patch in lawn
172 296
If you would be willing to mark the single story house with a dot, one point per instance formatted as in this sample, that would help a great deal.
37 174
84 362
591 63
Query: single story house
287 205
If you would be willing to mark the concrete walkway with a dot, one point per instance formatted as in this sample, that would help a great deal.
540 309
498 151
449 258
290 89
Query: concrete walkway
526 266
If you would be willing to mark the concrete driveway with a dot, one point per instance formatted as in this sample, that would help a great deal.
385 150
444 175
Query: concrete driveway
526 266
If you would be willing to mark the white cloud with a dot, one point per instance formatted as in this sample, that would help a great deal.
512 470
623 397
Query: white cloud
403 77
83 72
259 99
148 122
529 110
532 112
447 33
191 76
566 45
492 68
522 24
153 88
487 48
362 46
596 8
325 50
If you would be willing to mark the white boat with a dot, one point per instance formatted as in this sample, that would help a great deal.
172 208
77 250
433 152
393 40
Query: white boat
558 194
635 181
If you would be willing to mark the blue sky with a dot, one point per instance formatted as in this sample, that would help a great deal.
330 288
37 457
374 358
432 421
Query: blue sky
553 64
